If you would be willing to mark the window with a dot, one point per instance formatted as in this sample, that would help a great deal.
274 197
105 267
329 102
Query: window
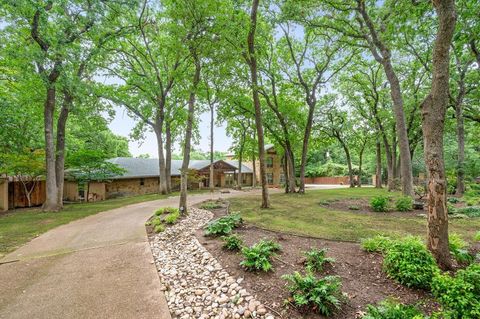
244 179
142 181
269 161
228 179
270 178
282 178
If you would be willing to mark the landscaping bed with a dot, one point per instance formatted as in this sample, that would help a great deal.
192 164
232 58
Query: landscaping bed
362 206
363 281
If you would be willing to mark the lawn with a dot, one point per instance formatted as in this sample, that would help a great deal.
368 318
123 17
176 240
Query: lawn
20 226
303 214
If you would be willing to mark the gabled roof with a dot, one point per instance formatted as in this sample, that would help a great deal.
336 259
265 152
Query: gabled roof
148 167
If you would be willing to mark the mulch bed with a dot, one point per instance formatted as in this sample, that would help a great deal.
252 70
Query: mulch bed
363 280
363 206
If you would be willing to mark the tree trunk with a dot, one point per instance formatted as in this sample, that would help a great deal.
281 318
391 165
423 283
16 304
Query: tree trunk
252 62
51 203
360 162
168 155
378 170
290 166
254 168
211 182
60 156
162 181
240 159
349 159
433 120
188 134
306 138
461 150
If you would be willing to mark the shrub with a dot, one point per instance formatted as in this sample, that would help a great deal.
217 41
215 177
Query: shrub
378 244
459 295
315 259
232 242
159 228
404 203
471 211
458 248
379 203
172 218
155 221
257 257
390 309
322 295
453 200
324 202
477 236
353 207
166 210
409 262
223 225
210 205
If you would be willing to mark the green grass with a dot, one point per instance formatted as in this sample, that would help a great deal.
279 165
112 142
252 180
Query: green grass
303 214
20 226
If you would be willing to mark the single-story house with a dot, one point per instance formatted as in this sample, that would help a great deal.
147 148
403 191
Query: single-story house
142 176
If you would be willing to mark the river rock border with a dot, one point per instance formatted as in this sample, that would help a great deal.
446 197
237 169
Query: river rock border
195 284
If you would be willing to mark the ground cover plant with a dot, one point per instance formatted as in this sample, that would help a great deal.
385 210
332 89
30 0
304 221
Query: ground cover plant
315 259
232 242
172 217
391 309
258 256
404 204
459 249
379 203
211 205
223 225
166 210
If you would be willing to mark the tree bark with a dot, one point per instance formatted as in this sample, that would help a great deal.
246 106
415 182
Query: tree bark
433 121
211 182
162 181
60 156
188 133
168 155
360 162
306 138
378 169
461 150
252 62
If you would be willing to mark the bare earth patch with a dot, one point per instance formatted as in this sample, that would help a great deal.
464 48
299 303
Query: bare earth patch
361 273
362 205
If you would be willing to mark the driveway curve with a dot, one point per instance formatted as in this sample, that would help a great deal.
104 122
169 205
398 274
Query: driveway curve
100 266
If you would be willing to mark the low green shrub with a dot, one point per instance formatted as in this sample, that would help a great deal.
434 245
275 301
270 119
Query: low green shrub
159 228
257 257
232 242
378 243
166 210
324 202
223 225
410 263
172 217
354 207
316 258
390 309
459 249
471 211
322 295
404 204
211 205
459 295
156 221
477 236
379 203
453 200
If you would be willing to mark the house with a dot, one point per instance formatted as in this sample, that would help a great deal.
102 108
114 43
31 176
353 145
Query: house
142 176
273 166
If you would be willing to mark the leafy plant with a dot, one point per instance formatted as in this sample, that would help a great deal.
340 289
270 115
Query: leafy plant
223 225
404 203
453 200
155 221
210 205
378 243
379 203
257 257
471 211
316 258
232 242
353 207
477 236
390 309
166 210
409 262
324 202
172 217
458 248
459 295
322 295
159 228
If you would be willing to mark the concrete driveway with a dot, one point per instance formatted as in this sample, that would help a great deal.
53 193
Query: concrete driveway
97 267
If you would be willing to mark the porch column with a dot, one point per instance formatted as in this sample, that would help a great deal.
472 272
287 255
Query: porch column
3 194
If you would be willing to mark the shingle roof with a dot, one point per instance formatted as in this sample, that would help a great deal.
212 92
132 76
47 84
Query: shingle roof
148 167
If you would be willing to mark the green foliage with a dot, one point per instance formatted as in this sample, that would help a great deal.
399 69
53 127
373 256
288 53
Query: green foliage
172 217
324 202
89 165
354 207
159 228
453 200
458 248
379 203
409 262
166 210
223 225
232 242
156 221
257 257
404 203
211 205
322 295
390 309
472 195
471 211
459 295
378 243
477 236
316 258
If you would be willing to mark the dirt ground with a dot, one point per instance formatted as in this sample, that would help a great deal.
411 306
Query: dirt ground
363 281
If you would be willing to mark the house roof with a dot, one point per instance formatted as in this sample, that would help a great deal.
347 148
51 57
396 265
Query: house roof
148 167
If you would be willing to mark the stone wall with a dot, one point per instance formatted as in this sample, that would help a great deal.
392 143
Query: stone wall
132 186
96 191
276 170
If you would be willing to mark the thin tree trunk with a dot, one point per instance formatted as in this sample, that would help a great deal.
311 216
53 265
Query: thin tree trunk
378 170
360 165
60 156
433 120
211 182
188 134
461 150
168 155
252 62
162 181
51 203
306 138
254 168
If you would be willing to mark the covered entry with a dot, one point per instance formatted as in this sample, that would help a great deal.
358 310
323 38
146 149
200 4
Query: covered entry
223 174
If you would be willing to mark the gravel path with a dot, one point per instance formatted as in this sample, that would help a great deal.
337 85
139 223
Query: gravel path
196 285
